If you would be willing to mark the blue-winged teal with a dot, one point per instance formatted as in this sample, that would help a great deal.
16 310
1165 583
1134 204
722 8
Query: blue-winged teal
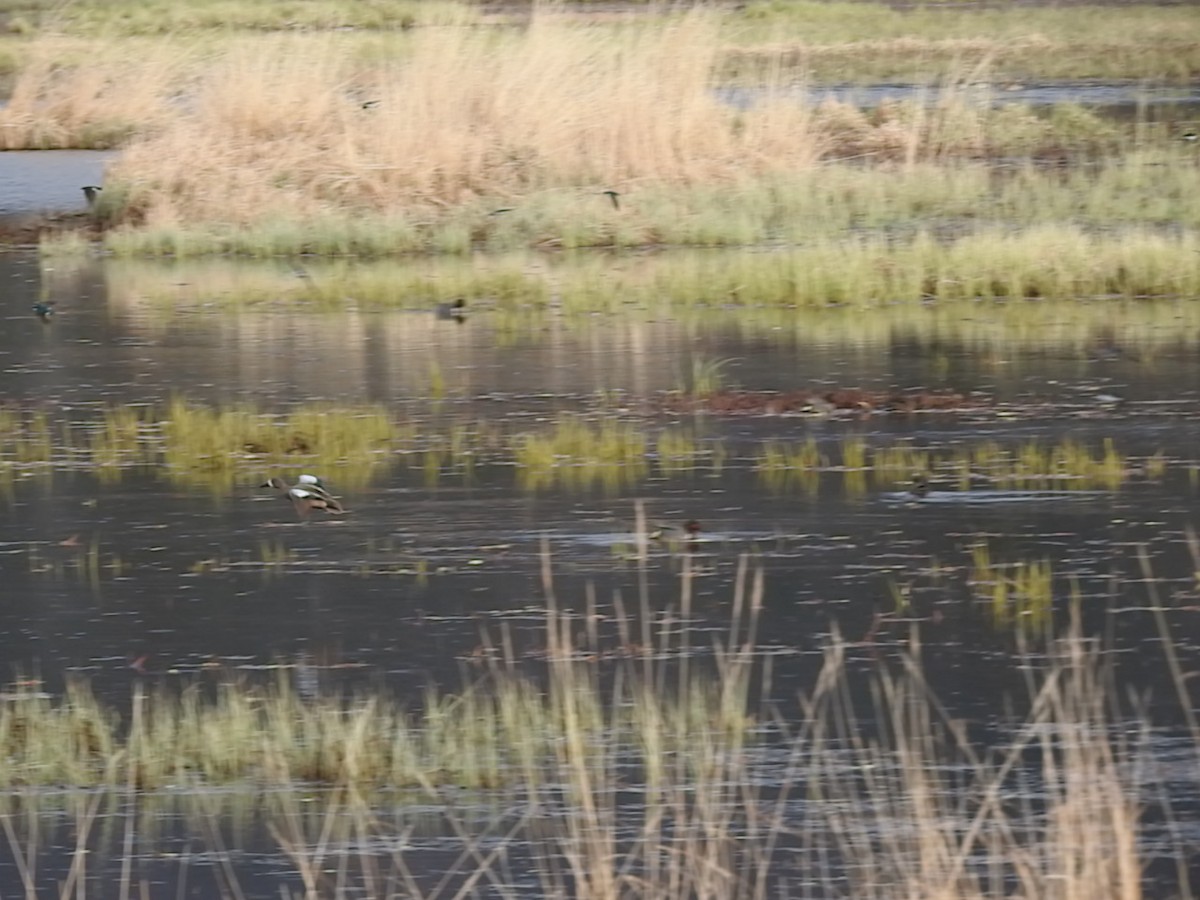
306 496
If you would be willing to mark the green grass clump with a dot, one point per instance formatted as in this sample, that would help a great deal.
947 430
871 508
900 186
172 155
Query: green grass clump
25 438
1037 465
122 438
1019 594
677 451
581 455
875 271
784 468
212 446
503 730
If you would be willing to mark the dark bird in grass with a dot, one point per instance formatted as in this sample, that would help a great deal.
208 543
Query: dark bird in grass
456 309
89 192
613 196
44 310
306 496
1191 136
370 104
501 210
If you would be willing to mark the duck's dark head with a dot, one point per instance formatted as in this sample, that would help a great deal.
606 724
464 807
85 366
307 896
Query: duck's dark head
920 485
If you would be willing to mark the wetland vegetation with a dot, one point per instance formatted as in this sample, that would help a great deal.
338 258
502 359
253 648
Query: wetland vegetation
214 449
365 144
858 791
906 384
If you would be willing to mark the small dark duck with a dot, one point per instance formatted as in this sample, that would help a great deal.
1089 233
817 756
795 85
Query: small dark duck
91 193
44 310
455 309
308 494
918 488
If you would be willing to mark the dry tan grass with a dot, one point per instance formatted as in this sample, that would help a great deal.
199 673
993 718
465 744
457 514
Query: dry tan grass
278 128
77 93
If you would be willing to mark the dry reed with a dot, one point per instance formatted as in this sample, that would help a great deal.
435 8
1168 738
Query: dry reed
882 798
272 131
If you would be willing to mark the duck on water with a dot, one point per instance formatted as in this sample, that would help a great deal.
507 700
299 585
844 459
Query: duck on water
308 494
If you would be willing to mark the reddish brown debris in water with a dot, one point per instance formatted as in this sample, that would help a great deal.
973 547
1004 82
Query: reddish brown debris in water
731 402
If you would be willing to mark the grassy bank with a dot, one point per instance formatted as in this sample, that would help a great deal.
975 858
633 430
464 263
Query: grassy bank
637 767
438 141
950 199
1045 263
838 41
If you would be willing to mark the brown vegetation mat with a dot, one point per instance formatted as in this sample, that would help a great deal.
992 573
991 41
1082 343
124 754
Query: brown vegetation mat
735 402
28 230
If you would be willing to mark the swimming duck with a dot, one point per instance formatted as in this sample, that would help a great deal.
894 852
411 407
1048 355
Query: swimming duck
689 530
919 486
456 310
306 496
44 310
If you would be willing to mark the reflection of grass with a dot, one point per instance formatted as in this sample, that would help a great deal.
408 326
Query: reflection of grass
796 467
677 451
83 561
119 442
206 447
25 437
1032 465
1019 594
609 454
707 377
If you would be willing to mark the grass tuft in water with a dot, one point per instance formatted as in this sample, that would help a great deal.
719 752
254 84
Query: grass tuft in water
607 455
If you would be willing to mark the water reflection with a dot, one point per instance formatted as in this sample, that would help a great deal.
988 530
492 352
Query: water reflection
459 449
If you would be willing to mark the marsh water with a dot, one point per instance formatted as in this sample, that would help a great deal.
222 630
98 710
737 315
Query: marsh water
183 580
136 571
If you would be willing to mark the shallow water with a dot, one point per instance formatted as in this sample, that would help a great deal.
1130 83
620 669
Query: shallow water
201 580
33 181
1129 102
183 580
